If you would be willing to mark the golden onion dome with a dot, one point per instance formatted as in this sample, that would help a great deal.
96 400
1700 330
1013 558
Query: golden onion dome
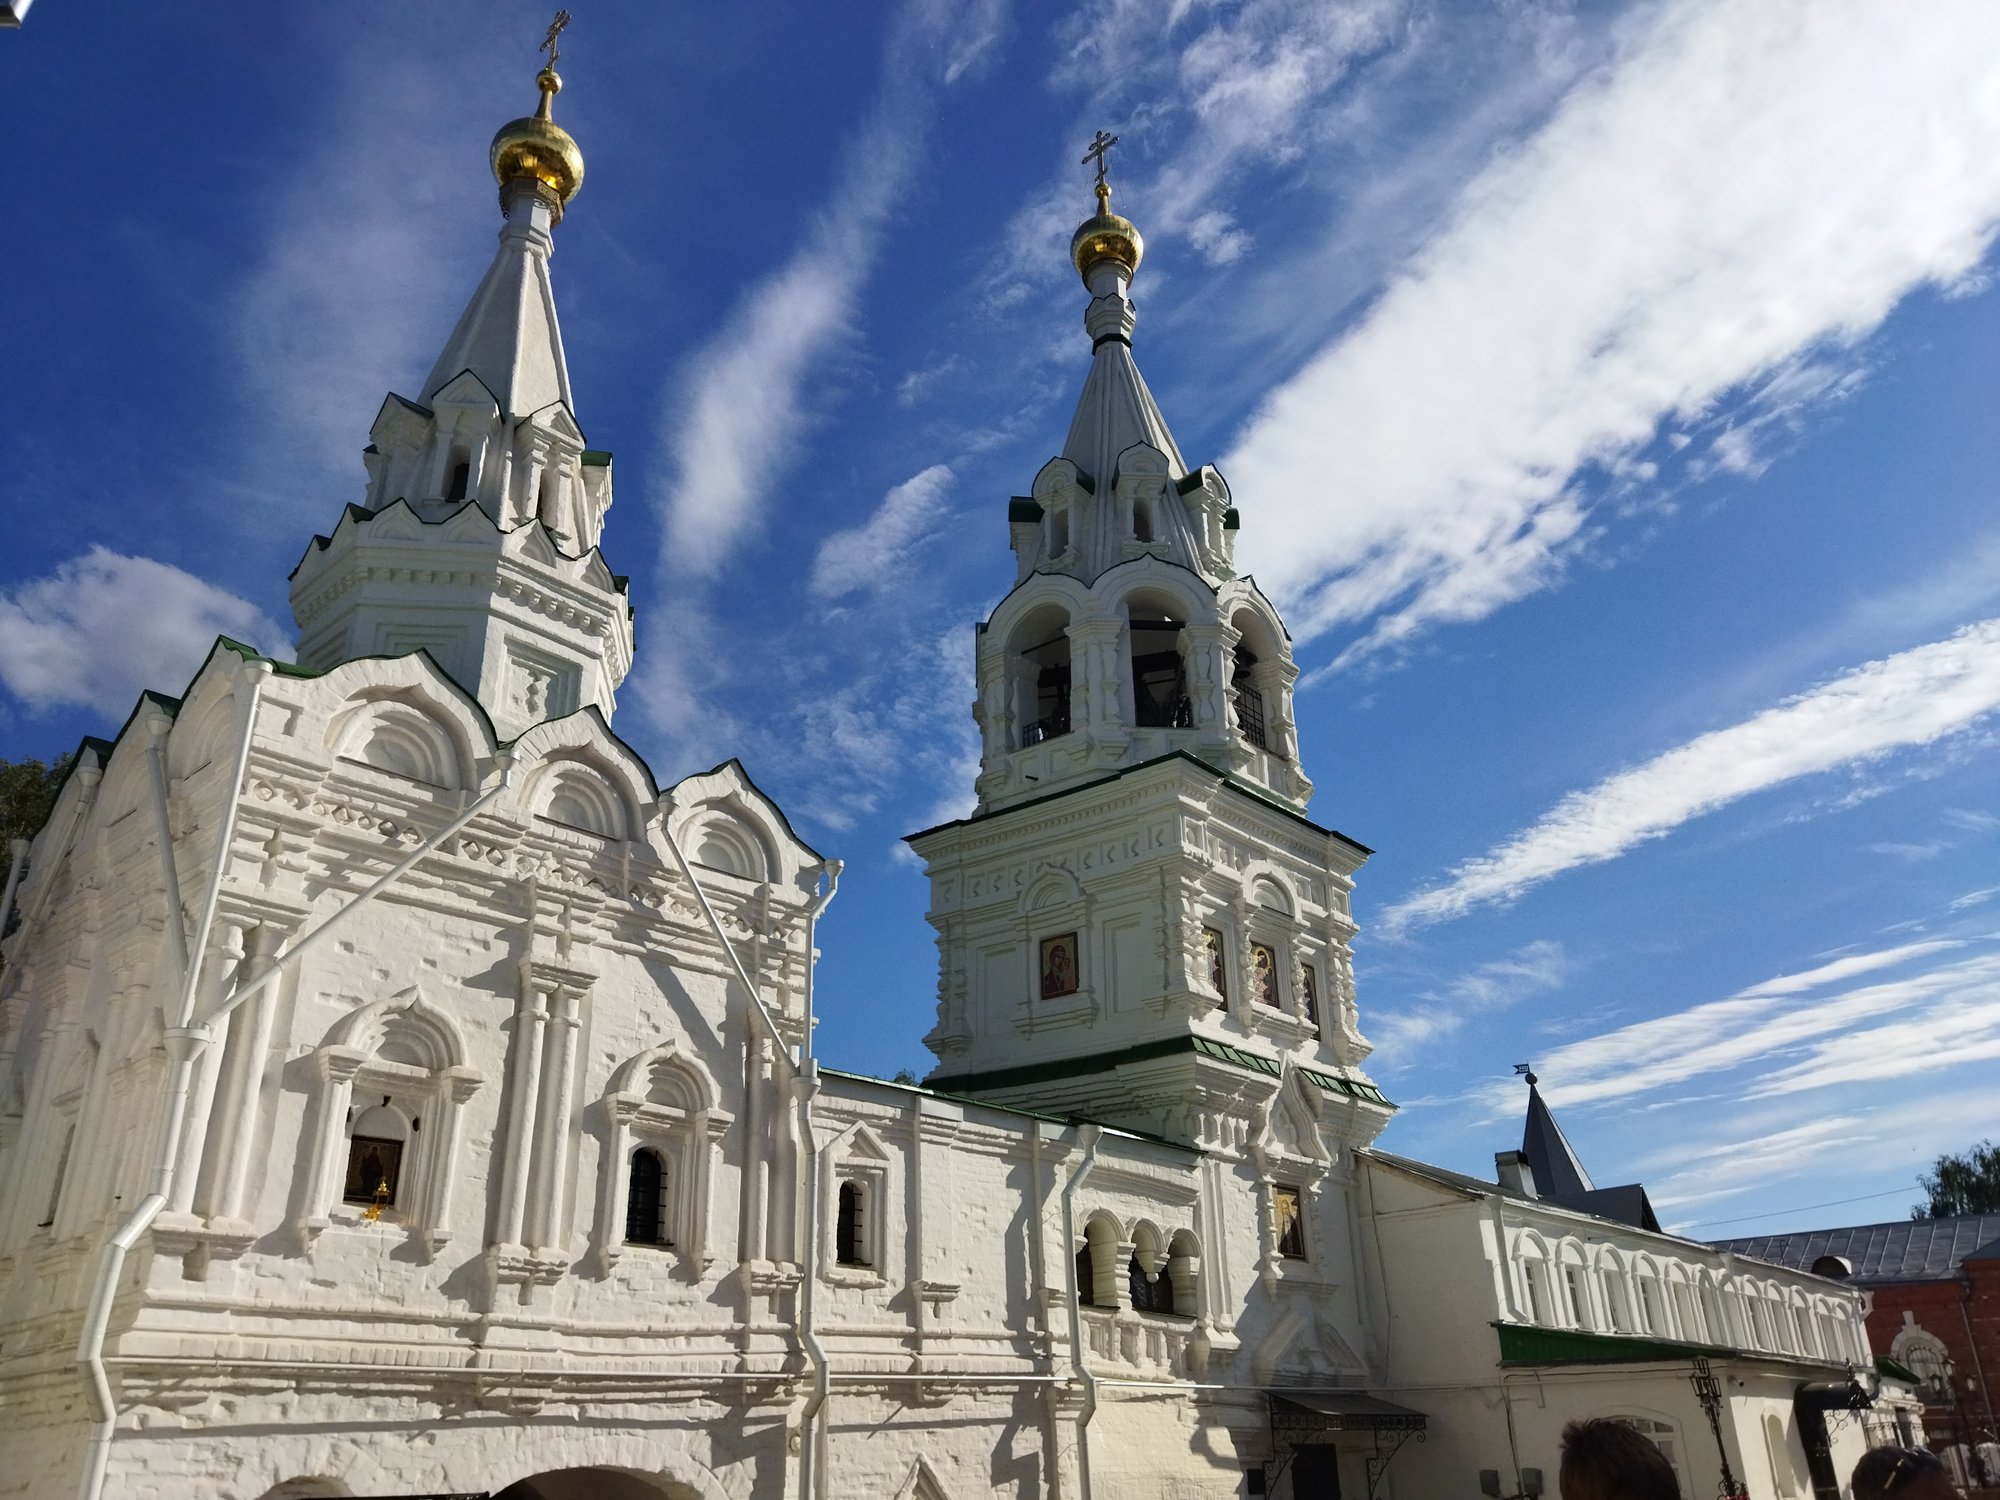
537 149
1106 236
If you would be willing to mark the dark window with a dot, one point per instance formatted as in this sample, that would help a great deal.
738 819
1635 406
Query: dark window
1142 521
850 1230
1050 662
646 1200
1086 1276
1159 677
62 1169
1218 971
374 1170
1153 1293
1290 1209
1309 993
461 479
1248 700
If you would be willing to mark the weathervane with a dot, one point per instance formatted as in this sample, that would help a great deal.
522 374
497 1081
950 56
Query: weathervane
1098 147
1527 1071
550 43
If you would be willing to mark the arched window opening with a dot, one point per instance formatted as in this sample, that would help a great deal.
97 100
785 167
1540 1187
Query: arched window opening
1783 1478
1575 1283
1154 1293
1086 1275
1042 678
1537 1276
850 1234
1058 530
1614 1302
461 475
375 1143
1247 698
1159 671
646 1218
1309 994
1142 520
545 502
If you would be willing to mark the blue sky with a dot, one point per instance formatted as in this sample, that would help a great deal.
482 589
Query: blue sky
1608 392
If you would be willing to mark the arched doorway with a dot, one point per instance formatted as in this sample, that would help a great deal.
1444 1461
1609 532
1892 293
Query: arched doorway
593 1484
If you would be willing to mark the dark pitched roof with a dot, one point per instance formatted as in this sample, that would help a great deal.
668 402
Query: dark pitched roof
1908 1250
1558 1174
1628 1205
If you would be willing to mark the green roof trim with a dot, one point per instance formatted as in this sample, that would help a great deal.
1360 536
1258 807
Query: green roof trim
251 653
1021 511
1887 1366
1351 1087
596 458
1521 1345
968 1084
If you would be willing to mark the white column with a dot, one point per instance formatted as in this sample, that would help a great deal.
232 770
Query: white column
221 968
560 1069
756 1151
328 1163
249 1049
529 1017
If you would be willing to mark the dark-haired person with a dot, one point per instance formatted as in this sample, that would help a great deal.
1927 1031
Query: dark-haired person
1903 1474
1607 1460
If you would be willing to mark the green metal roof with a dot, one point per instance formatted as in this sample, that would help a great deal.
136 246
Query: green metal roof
1021 510
1521 1345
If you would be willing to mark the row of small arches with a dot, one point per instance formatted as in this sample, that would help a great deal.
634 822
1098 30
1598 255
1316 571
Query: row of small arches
1159 1270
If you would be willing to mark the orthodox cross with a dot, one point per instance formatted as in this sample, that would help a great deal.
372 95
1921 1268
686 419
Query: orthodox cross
1098 148
550 42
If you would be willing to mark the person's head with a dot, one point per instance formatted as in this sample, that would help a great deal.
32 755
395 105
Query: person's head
1607 1460
1902 1474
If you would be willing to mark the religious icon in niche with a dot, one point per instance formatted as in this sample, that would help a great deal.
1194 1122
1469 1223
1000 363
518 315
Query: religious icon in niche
1289 1209
1264 964
1059 965
372 1163
1218 971
1309 993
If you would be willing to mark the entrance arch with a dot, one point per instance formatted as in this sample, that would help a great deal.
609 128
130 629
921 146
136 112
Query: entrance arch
596 1484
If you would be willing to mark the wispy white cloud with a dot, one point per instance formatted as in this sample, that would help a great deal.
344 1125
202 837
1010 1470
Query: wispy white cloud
105 626
1742 196
1531 969
1784 1044
873 555
1913 698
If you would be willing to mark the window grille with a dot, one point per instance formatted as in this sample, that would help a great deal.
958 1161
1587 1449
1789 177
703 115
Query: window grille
646 1203
1153 1293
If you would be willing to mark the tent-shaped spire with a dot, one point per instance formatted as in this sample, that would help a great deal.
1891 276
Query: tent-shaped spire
1557 1172
508 336
1115 410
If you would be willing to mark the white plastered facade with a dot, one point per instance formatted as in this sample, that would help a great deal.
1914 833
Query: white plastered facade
1137 1198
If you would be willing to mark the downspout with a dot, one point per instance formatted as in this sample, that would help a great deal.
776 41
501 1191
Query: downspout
184 1043
1506 1262
811 1184
156 759
1979 1369
1090 1136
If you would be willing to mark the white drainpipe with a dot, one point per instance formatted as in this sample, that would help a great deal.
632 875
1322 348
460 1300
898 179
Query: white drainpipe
812 1183
1090 1136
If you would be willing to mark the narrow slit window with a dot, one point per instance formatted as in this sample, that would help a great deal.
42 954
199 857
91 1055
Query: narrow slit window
62 1171
850 1236
461 475
1248 699
1086 1276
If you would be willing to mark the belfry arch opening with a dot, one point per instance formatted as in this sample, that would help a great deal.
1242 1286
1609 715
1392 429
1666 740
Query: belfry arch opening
1158 637
1255 688
459 475
1039 666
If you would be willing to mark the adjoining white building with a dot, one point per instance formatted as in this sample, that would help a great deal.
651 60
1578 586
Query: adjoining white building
401 1094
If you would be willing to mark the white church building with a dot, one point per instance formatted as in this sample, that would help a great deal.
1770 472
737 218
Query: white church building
403 1094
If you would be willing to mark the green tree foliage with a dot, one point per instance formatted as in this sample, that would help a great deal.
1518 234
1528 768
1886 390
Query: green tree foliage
27 792
1968 1183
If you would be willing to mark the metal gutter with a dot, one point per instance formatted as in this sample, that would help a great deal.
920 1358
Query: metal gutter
812 1173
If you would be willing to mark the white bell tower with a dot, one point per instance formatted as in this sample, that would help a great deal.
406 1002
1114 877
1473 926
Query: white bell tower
1139 923
477 540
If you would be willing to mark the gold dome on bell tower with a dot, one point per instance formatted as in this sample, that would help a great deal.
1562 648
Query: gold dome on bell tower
1105 236
535 148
